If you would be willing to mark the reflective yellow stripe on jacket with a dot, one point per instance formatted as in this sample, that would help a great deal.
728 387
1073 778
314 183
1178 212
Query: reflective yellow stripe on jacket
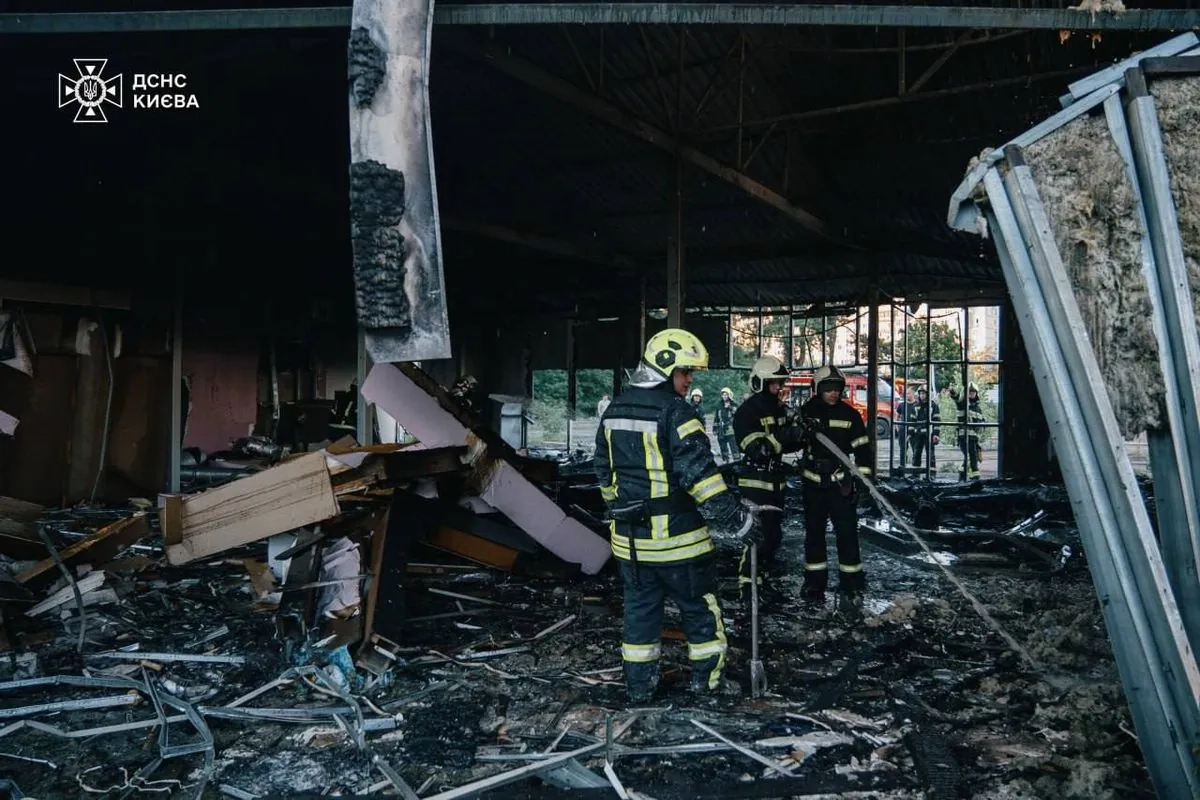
663 551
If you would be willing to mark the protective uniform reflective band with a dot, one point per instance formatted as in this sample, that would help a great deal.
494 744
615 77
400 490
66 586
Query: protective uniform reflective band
609 492
850 567
865 470
816 567
640 653
633 425
714 677
688 428
815 478
767 422
860 441
663 551
775 445
839 423
751 483
708 488
659 487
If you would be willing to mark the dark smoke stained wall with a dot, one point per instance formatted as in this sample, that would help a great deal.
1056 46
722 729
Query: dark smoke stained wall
56 455
223 389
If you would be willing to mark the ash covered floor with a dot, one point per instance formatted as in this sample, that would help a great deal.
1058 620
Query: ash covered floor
914 696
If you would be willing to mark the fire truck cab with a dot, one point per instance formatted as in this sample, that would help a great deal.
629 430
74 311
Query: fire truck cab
799 388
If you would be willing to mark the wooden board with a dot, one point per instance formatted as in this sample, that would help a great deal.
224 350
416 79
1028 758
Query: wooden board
285 497
17 518
473 548
101 546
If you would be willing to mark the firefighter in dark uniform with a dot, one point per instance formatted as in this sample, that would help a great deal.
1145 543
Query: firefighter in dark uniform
657 476
723 426
923 430
764 432
968 438
829 488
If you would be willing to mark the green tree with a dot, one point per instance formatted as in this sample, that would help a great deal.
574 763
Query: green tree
909 348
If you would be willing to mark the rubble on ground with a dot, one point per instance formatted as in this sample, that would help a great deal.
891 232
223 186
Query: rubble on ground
389 631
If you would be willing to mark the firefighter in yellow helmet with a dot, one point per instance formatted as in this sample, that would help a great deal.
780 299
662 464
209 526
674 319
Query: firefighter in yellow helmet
829 489
662 488
764 433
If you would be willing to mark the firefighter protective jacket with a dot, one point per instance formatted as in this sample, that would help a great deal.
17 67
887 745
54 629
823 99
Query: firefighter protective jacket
846 429
764 417
651 448
922 413
723 420
968 411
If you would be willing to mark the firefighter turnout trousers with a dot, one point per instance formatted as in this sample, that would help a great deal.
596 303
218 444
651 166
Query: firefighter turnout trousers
692 586
920 442
764 489
827 504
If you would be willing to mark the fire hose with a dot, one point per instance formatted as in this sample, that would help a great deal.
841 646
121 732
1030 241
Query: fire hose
891 511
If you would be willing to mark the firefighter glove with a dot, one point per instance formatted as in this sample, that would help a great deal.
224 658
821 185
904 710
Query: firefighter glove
759 452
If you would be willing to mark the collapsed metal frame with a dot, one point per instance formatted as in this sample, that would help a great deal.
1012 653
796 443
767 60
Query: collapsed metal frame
1148 587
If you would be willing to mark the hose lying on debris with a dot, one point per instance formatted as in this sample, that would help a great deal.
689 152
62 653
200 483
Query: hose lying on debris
975 603
66 573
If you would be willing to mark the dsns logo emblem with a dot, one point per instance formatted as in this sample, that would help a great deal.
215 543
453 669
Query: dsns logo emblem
90 90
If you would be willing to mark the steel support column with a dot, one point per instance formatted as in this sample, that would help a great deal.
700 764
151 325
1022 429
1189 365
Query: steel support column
676 288
175 454
363 424
873 373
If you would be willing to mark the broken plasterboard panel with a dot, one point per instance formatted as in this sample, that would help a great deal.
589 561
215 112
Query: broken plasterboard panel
285 497
506 488
8 424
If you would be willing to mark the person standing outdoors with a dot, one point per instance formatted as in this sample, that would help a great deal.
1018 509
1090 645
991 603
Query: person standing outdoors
765 433
829 488
723 426
662 487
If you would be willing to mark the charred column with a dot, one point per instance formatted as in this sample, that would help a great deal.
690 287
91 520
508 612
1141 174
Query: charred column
399 289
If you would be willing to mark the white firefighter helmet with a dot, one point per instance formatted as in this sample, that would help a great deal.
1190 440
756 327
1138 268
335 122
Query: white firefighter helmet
766 369
697 393
726 392
971 387
828 377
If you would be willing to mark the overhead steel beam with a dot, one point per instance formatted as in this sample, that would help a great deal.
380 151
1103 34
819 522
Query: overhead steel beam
534 241
572 95
852 15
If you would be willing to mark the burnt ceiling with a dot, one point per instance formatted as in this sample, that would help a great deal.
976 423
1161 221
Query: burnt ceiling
818 161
